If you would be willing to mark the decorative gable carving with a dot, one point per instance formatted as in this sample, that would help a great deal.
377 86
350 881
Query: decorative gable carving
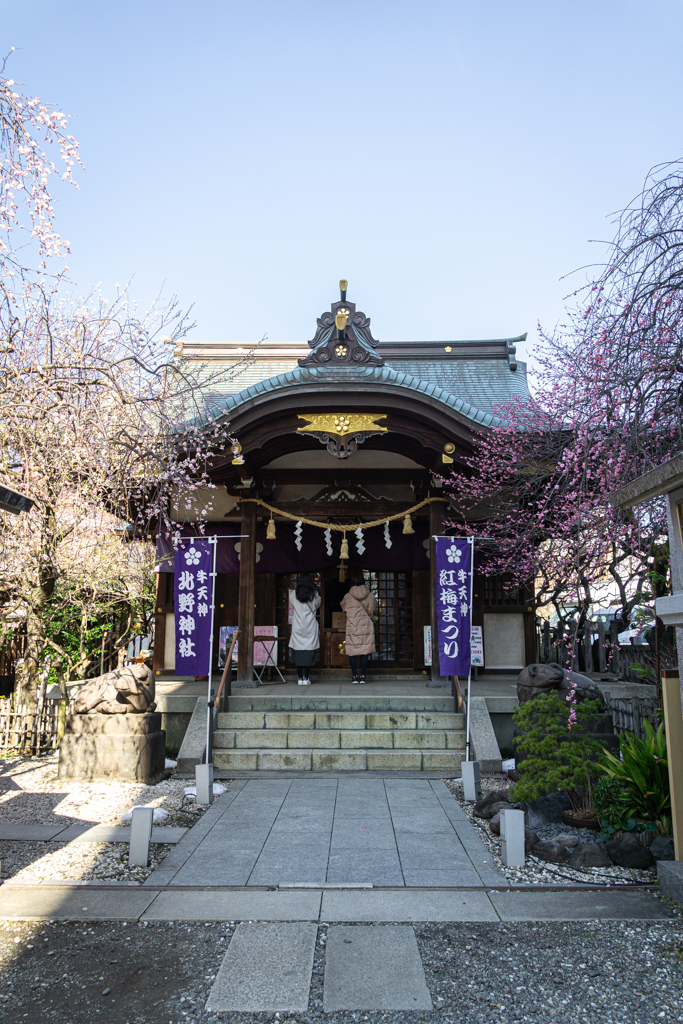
343 338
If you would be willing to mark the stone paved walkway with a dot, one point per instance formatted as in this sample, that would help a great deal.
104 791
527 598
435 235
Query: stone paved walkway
385 832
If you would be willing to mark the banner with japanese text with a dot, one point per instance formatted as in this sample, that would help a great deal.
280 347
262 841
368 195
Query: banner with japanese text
193 599
453 612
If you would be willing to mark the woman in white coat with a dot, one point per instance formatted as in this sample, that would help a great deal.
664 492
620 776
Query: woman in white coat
304 641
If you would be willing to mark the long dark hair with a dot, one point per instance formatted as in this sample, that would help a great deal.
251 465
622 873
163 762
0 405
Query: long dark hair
305 589
357 580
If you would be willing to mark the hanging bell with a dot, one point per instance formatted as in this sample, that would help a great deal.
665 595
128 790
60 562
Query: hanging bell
270 532
344 553
407 524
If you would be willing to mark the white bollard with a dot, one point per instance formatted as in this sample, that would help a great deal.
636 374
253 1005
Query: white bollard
203 774
471 782
512 838
140 837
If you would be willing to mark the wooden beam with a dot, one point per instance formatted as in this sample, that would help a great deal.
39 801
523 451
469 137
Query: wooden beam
343 477
247 592
351 510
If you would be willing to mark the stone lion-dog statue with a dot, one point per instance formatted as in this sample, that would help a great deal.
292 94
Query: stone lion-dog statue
535 680
125 691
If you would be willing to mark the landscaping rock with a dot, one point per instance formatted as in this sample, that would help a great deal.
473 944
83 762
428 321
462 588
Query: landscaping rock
530 840
494 824
493 809
546 810
627 851
590 855
567 839
551 851
662 848
495 796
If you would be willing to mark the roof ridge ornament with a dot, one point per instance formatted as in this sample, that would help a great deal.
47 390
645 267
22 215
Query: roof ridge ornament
343 337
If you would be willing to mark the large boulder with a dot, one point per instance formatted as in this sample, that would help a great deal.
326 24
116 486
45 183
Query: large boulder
553 852
535 680
662 848
590 855
627 851
567 839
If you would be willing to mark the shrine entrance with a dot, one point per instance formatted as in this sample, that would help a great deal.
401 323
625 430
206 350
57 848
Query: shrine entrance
402 613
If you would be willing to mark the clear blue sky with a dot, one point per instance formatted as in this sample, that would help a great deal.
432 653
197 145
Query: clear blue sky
451 159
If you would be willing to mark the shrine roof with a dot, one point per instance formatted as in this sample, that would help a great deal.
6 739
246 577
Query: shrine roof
472 377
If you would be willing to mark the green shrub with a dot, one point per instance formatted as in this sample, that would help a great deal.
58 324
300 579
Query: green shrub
643 772
557 758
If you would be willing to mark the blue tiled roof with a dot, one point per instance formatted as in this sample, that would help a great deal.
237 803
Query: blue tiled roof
473 388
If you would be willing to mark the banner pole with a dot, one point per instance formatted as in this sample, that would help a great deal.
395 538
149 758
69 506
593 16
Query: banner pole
209 711
469 675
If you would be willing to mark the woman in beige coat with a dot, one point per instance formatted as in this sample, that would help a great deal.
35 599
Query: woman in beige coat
360 605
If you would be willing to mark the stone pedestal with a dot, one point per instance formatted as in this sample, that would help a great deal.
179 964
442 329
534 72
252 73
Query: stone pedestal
131 747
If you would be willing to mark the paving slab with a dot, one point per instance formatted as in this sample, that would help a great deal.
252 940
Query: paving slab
374 967
578 906
73 903
267 968
234 905
117 834
407 905
29 833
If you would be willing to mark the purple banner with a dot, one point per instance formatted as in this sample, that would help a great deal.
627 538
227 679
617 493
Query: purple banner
193 600
453 612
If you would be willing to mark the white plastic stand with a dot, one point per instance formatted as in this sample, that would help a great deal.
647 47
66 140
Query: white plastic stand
471 782
512 838
140 836
203 774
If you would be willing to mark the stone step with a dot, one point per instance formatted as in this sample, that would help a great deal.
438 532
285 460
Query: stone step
337 760
309 702
335 739
342 720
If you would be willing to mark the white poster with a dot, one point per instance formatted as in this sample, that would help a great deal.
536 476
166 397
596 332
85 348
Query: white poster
477 646
428 644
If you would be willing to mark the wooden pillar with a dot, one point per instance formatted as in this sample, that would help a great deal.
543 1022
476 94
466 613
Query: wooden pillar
247 593
673 725
436 516
159 625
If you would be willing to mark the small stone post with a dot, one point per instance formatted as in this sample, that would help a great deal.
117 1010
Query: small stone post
140 837
471 781
512 838
673 723
203 774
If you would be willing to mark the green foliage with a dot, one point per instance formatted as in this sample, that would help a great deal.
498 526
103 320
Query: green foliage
557 758
643 771
611 802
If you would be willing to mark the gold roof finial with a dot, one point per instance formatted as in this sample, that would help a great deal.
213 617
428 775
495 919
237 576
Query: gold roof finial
343 286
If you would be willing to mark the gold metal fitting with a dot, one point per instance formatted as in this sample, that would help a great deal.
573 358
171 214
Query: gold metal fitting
340 319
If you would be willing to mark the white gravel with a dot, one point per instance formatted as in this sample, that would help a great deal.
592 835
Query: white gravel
537 871
31 793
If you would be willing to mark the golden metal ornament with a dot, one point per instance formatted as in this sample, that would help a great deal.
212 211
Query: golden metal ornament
407 524
340 351
237 452
341 423
270 531
446 459
340 319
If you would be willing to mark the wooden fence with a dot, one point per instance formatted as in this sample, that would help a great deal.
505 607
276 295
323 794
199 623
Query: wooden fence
628 713
30 730
597 650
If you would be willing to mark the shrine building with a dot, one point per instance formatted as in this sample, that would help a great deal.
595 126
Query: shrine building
342 432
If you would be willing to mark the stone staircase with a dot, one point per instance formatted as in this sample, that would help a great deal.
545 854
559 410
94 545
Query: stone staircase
339 734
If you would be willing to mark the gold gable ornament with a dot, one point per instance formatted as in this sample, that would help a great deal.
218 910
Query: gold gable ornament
342 432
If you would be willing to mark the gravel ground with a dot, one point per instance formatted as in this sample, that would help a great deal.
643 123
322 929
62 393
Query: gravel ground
540 871
31 793
612 973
